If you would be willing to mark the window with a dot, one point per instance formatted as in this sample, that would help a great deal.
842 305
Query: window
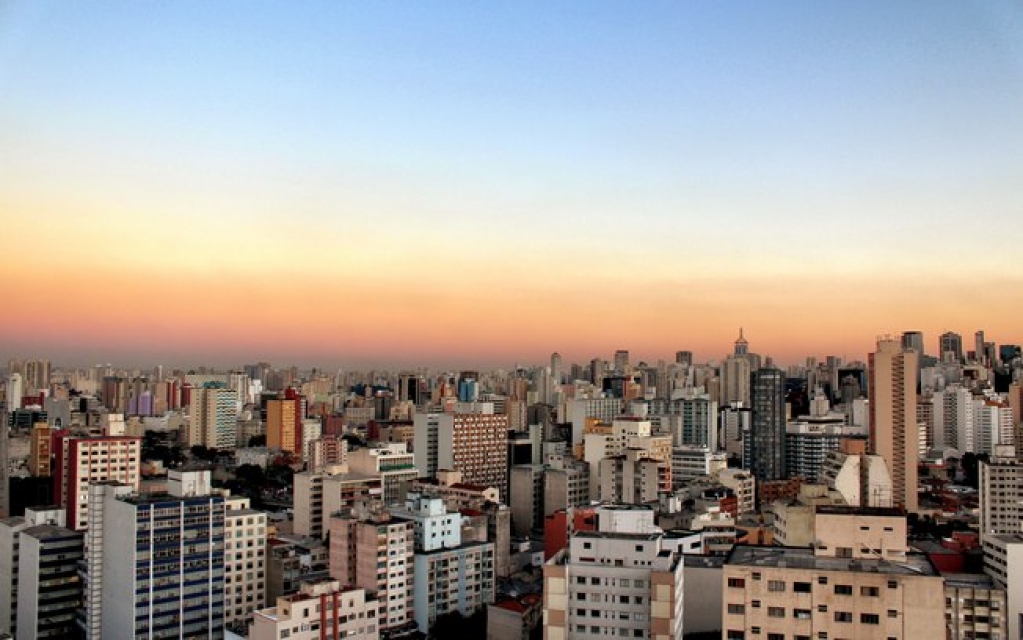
776 585
892 613
736 609
776 636
776 612
843 616
734 634
822 580
870 618
756 575
892 584
801 614
737 583
801 587
870 592
755 604
843 589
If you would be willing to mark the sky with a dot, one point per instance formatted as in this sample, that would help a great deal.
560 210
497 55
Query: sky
384 183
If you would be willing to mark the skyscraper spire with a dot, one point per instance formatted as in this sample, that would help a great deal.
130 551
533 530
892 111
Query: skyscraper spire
741 345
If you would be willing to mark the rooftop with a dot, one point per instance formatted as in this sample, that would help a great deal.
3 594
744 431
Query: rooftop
804 558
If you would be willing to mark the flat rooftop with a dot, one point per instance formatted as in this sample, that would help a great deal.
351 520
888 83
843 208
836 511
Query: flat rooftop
803 558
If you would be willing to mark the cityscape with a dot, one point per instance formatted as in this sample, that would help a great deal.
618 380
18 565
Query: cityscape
881 497
511 321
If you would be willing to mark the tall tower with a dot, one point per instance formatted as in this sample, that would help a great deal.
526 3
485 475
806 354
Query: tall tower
213 416
15 390
950 347
621 361
913 340
894 434
556 368
767 461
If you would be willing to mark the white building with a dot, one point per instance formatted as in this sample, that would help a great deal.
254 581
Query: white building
1003 561
616 581
321 609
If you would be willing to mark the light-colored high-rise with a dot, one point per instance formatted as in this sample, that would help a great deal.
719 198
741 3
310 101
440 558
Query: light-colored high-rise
893 429
617 581
80 462
213 417
363 539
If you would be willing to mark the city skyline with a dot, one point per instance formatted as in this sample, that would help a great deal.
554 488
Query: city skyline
447 183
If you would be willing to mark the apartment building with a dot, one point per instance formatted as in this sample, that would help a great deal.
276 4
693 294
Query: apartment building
321 609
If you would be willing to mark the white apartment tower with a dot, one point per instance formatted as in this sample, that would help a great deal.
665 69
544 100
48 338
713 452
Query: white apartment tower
617 581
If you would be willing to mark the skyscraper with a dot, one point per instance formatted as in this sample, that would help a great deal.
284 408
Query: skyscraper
155 562
213 415
894 433
950 347
913 340
15 390
621 361
767 453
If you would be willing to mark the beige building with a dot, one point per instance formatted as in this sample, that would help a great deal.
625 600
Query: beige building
321 609
393 463
244 559
975 607
363 539
784 592
893 428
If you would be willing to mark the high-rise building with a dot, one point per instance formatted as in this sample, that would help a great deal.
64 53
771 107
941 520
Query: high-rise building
284 422
618 581
155 562
894 434
10 559
361 540
80 462
767 433
621 361
913 340
950 347
213 416
557 369
15 391
473 440
735 381
39 463
245 537
452 574
49 591
684 358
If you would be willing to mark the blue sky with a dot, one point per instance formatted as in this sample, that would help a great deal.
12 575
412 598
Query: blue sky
666 141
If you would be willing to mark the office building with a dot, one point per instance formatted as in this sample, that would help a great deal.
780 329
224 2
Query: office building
950 347
894 433
767 433
284 422
155 562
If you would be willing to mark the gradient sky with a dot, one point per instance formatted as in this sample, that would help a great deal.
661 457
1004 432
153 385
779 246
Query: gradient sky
482 183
